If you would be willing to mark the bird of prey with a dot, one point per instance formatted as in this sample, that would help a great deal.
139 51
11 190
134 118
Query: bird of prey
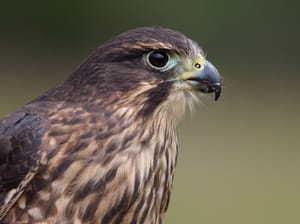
101 147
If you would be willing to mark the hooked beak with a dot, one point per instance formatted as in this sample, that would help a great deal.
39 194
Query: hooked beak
205 79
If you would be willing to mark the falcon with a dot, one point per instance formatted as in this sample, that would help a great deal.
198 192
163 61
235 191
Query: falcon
101 147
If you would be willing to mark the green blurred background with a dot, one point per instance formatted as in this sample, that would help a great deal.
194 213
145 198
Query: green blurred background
240 157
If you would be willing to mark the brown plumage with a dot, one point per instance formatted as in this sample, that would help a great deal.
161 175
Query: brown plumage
102 146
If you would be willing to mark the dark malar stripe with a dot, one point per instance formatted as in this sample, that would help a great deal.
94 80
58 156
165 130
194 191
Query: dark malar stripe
155 97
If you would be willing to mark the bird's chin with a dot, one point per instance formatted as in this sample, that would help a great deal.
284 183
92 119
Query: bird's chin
205 87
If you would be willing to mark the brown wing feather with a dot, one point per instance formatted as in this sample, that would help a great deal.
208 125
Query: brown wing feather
20 140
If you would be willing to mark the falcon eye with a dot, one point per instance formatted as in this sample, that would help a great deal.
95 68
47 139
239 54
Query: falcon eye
158 59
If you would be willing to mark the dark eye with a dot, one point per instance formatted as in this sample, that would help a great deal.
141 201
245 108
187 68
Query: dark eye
158 59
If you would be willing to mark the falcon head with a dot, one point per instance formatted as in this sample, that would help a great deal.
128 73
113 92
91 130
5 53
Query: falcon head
147 68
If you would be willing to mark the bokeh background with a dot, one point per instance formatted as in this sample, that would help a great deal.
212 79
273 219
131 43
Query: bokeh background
239 161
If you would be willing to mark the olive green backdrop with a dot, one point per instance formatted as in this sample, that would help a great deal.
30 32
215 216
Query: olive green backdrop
239 159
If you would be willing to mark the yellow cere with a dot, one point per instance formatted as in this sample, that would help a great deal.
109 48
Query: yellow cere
190 67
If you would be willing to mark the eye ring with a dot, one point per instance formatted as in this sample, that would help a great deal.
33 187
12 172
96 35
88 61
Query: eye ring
158 60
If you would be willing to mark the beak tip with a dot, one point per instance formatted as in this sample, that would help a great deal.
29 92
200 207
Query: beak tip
211 76
217 89
207 80
217 95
